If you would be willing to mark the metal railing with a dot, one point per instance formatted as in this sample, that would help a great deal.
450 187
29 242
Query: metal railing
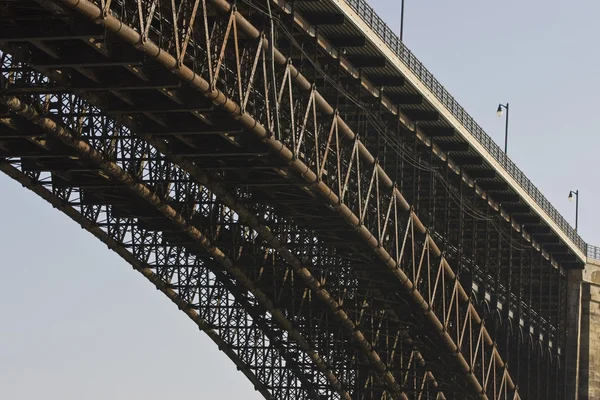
593 252
373 20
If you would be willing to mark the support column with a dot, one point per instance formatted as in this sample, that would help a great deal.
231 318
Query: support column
583 333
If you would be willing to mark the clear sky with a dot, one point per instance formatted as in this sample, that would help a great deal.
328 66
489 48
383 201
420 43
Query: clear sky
76 322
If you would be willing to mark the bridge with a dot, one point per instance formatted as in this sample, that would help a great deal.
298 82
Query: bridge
296 182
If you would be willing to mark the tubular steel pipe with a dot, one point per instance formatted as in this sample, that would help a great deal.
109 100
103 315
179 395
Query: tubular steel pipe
131 36
86 152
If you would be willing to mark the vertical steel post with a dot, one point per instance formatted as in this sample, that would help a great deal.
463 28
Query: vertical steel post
271 38
576 210
506 131
401 19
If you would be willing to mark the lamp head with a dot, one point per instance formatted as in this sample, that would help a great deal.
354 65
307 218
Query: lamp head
571 195
499 111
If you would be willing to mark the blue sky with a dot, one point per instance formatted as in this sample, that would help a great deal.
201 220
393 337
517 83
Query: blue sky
78 322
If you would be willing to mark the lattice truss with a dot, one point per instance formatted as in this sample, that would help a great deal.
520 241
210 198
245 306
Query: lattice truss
318 242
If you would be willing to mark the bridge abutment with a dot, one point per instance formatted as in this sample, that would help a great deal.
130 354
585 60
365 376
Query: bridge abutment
583 342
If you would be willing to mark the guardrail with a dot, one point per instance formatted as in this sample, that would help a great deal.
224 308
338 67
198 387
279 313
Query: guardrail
593 252
370 17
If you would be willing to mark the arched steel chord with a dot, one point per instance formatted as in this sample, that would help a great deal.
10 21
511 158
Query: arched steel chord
428 376
49 123
87 152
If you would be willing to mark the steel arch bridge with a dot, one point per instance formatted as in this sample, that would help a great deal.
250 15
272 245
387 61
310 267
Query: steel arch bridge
309 208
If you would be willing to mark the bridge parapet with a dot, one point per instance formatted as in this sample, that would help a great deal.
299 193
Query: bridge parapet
593 254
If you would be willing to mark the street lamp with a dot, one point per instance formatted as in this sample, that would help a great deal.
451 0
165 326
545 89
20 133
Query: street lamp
499 112
401 18
576 193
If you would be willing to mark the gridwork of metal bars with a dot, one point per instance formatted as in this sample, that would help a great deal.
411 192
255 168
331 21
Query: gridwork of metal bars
301 318
149 216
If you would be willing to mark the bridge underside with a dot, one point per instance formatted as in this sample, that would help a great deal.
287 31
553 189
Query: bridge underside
307 230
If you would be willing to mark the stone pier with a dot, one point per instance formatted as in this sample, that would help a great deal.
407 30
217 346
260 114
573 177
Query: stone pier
583 347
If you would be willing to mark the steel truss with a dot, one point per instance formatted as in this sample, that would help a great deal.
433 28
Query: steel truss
170 259
300 254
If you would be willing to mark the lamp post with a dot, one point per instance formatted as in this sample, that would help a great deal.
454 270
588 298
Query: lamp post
401 18
499 112
576 193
